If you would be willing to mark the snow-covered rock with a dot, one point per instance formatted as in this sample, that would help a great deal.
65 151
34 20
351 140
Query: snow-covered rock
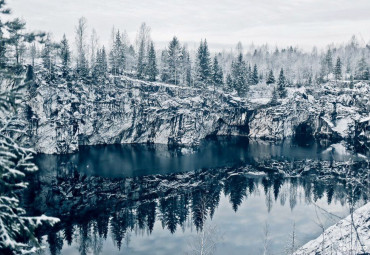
126 110
349 236
66 114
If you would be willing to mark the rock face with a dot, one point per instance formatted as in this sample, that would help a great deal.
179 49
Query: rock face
331 112
125 110
67 114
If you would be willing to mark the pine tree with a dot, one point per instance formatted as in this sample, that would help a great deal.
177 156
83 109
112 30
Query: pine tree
82 66
270 78
217 74
101 64
329 61
362 71
239 75
140 68
17 228
48 58
117 56
152 70
351 83
33 52
185 78
174 60
203 64
255 75
338 69
65 55
281 84
229 82
165 73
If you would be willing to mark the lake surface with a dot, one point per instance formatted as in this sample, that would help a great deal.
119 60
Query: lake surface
151 199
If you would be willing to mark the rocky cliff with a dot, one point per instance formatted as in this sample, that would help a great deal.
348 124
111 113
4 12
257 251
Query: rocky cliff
65 114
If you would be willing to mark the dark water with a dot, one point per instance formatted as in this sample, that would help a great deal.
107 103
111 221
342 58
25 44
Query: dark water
151 199
128 160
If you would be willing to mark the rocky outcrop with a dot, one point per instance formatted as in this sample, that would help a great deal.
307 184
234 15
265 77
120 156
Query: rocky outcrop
66 114
331 112
125 110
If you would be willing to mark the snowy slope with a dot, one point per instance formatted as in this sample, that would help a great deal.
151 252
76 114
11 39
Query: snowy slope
346 237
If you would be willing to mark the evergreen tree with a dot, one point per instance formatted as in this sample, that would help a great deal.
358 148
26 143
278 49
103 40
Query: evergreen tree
329 61
217 74
255 75
362 71
82 66
140 68
239 75
17 227
65 55
270 78
117 56
351 83
281 84
101 64
152 70
16 38
48 60
165 73
174 60
229 82
249 75
338 69
185 67
33 52
203 64
130 59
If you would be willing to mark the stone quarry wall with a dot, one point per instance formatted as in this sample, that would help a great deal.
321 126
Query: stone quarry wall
67 114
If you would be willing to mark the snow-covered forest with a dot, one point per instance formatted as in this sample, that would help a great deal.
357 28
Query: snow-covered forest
287 115
233 69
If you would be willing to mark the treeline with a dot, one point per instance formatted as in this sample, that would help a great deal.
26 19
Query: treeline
233 70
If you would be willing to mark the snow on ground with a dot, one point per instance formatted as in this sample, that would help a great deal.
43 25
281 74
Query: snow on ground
346 237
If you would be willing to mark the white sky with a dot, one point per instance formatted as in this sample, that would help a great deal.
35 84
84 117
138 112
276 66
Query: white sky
278 22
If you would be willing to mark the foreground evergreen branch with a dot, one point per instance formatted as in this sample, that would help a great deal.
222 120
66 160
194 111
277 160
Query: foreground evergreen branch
16 227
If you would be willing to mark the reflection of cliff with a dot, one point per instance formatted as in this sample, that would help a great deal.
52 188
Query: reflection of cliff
92 205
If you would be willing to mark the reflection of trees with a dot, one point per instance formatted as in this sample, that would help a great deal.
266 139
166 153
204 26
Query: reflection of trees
119 206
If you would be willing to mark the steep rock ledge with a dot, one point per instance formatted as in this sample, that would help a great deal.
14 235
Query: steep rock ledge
67 114
125 110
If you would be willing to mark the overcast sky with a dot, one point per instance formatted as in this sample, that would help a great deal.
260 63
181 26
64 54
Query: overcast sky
223 23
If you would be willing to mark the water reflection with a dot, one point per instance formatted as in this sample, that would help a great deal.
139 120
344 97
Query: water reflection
104 216
128 160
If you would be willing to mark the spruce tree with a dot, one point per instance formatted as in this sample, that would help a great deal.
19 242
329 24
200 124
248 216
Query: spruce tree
255 75
117 55
362 71
185 67
48 58
239 75
140 68
65 55
17 227
229 82
270 78
329 61
152 70
217 74
338 69
203 64
165 73
174 60
82 66
281 84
